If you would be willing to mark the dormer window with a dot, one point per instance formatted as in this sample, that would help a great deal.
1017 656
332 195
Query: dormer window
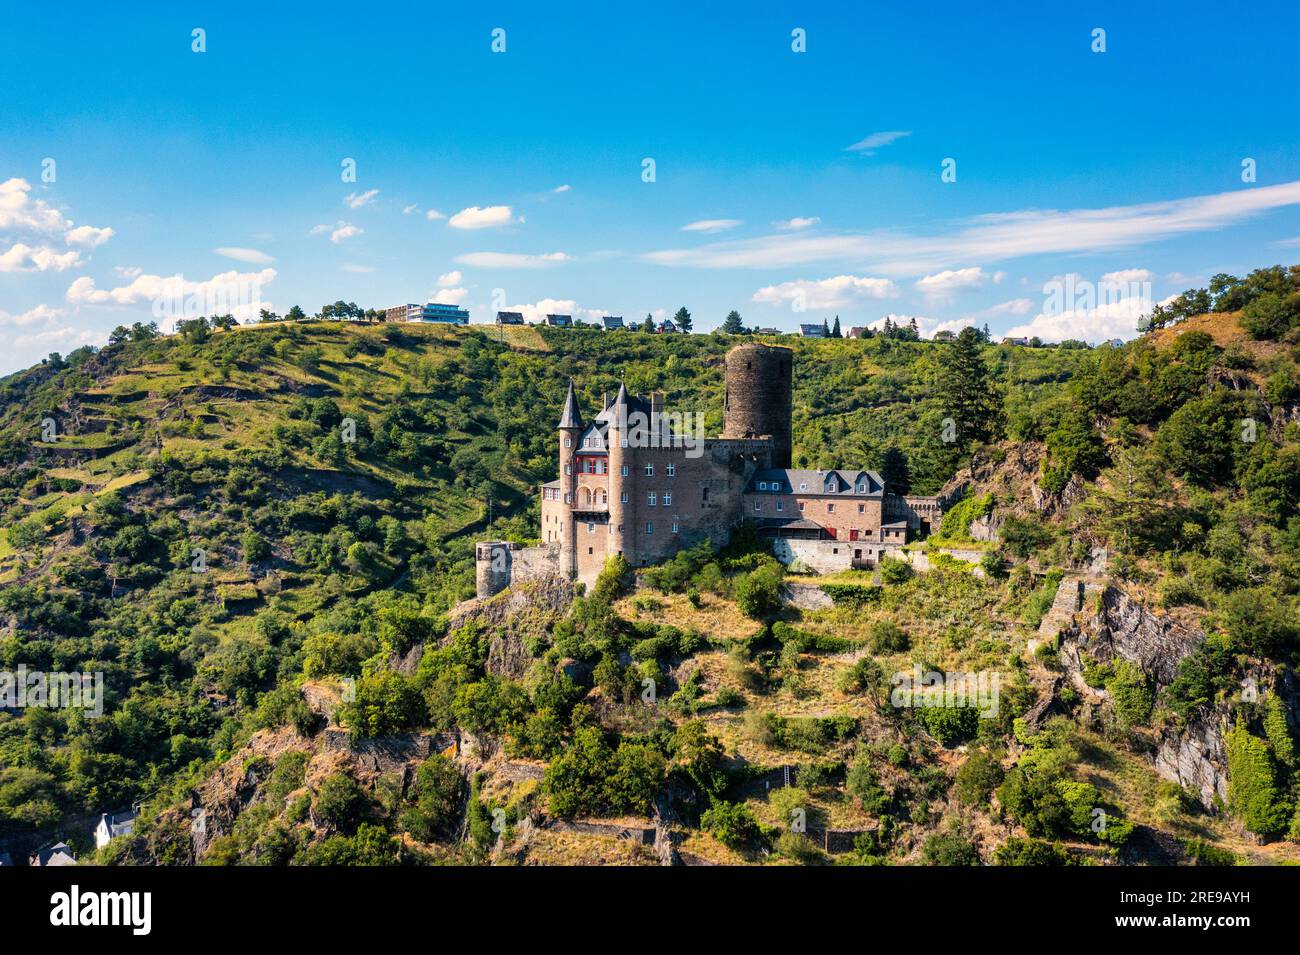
803 486
762 485
862 489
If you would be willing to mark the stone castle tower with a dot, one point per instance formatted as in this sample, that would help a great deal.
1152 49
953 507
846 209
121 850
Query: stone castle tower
759 397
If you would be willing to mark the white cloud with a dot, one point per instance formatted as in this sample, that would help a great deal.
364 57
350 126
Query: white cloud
21 213
1108 320
511 260
129 271
357 200
1017 306
88 236
360 269
942 286
840 291
25 258
538 310
433 215
995 237
711 225
448 279
41 313
483 218
407 210
564 188
874 141
249 256
450 296
1125 276
73 337
238 293
797 223
338 231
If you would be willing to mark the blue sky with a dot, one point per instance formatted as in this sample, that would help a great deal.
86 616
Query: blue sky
1126 163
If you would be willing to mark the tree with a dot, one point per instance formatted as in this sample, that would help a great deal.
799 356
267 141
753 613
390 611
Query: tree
894 470
732 323
296 314
649 324
826 329
683 319
835 329
965 390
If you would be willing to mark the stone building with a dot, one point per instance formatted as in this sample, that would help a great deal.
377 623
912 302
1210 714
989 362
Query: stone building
644 482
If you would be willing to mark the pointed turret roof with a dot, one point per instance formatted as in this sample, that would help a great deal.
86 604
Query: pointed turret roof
571 418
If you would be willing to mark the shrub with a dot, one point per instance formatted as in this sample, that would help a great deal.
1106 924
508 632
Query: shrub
977 778
895 571
1029 852
437 791
340 802
1253 793
759 592
949 849
733 824
886 637
1131 693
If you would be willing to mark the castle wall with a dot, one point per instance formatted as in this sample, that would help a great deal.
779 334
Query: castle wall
498 564
828 556
838 512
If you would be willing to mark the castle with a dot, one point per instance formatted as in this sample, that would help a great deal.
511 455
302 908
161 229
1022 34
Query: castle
635 481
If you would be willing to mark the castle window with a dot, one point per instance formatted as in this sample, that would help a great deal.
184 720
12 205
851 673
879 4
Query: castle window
591 528
623 497
780 505
568 469
862 489
830 508
757 506
649 470
762 485
568 442
600 467
652 498
862 508
668 499
566 497
706 493
625 470
672 470
803 486
801 507
676 527
649 528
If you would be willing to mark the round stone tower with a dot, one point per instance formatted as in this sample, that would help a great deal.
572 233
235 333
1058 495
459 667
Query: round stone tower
493 566
759 396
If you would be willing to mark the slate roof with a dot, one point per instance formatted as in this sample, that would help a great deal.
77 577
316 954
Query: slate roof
570 418
802 481
612 321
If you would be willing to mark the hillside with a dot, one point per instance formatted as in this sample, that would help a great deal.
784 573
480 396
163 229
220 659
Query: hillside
278 600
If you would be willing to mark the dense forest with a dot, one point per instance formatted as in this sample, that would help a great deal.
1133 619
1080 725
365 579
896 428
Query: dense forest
262 536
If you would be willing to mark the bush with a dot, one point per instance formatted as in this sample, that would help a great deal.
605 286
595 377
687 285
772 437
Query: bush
1029 852
759 592
949 849
977 778
886 637
733 824
1131 693
340 802
895 571
1253 794
437 792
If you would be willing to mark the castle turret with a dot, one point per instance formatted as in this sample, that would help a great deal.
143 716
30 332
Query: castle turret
570 429
759 397
620 518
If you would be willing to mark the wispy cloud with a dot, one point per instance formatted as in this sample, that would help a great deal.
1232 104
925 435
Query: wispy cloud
38 315
356 200
339 231
250 256
797 223
711 225
564 188
511 260
486 217
995 237
874 141
841 291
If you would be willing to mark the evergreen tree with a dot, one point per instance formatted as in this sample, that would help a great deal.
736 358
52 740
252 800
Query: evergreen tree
649 324
965 390
835 331
826 329
732 324
683 319
895 471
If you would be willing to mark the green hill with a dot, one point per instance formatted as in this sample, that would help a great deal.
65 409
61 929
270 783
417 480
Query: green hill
229 524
